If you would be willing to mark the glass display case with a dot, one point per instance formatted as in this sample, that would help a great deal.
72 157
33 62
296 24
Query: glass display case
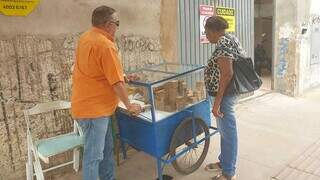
166 89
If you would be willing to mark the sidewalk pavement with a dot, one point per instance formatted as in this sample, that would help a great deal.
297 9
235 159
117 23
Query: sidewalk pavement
279 138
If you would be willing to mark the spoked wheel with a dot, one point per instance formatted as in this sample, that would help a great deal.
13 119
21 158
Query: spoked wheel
182 138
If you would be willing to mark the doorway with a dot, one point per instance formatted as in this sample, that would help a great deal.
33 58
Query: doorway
263 41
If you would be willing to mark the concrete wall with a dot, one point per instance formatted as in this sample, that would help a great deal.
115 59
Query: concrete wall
169 30
289 17
37 54
310 48
54 17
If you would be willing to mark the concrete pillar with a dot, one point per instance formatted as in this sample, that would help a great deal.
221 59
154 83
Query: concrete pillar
289 17
169 30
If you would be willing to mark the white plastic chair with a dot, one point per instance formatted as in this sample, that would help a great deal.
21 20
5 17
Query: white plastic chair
43 149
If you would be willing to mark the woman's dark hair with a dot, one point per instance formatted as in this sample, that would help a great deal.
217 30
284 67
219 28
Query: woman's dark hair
216 23
102 15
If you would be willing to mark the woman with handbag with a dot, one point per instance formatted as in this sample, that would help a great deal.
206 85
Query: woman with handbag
218 75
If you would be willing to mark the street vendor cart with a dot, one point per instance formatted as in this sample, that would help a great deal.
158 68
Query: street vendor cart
176 127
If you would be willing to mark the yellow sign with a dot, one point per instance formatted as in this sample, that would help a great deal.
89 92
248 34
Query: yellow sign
229 15
17 7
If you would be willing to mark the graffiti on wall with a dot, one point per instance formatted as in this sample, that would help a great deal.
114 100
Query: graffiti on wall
138 51
282 66
286 34
315 19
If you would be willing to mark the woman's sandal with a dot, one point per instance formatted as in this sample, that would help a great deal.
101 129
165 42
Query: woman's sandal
222 177
214 167
217 177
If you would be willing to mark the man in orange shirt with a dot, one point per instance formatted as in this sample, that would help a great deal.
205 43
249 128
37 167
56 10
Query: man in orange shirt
98 85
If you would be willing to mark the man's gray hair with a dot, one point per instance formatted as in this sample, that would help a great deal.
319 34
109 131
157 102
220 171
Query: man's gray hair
102 15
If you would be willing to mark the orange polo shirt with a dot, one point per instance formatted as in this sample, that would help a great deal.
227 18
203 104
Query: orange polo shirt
97 68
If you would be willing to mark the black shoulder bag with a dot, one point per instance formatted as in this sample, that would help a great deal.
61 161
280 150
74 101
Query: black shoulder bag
245 79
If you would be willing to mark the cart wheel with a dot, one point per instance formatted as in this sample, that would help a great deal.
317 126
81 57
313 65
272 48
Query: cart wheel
182 138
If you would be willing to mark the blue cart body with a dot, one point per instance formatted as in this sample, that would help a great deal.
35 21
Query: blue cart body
154 138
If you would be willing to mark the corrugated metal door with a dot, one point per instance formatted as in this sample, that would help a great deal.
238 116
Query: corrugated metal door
191 51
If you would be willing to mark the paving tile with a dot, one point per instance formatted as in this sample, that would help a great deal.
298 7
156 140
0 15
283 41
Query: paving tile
305 167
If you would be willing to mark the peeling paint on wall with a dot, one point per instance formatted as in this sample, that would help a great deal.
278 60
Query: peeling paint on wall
286 31
33 69
37 69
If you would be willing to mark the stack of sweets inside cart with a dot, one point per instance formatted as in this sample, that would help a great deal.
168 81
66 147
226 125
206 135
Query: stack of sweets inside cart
174 95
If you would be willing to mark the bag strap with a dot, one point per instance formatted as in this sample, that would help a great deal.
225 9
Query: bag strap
232 52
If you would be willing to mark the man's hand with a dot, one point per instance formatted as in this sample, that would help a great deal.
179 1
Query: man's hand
134 109
120 90
216 111
131 77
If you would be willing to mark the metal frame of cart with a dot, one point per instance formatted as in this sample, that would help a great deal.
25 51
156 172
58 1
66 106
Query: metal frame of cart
163 139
